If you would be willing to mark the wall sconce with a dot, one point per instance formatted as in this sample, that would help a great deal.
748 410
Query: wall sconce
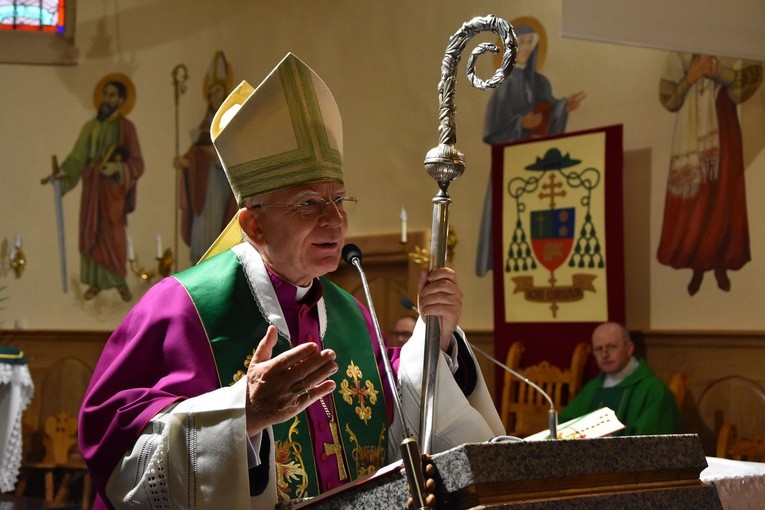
12 258
164 260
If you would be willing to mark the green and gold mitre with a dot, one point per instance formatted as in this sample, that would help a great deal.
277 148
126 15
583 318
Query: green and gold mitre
286 132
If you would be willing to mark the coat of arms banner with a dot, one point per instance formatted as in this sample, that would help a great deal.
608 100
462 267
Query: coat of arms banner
558 258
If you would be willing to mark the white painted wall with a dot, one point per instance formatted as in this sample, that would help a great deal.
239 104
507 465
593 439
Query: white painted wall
382 62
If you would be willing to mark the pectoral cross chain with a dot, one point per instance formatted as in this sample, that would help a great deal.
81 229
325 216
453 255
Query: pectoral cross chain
335 447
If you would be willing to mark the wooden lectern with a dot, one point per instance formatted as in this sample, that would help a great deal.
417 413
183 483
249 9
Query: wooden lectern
612 472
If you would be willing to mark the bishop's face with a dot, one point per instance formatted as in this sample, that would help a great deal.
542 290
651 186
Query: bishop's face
299 248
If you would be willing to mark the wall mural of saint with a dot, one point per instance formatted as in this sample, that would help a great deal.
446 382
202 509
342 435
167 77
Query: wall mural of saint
206 201
107 159
522 107
705 225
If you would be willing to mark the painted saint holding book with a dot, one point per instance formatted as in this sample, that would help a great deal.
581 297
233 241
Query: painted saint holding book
522 107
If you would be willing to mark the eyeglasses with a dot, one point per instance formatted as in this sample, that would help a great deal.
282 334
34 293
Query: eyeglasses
608 348
315 207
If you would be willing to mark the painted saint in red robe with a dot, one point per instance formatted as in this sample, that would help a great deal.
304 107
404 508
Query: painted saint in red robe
705 225
107 159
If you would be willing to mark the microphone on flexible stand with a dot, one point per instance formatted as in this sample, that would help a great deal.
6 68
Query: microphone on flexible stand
410 450
408 304
552 418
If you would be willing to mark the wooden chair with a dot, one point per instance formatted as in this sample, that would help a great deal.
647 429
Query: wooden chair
524 410
732 410
62 465
59 461
729 446
576 371
678 385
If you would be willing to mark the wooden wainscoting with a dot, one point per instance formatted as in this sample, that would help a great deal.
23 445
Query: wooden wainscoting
389 272
45 349
725 370
725 378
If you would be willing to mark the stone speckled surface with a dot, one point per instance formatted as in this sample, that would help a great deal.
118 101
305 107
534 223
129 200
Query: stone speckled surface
552 466
484 462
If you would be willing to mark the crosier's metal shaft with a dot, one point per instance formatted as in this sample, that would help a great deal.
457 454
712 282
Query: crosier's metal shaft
445 163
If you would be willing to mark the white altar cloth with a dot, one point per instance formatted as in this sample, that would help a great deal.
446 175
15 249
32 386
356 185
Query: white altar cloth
740 484
16 389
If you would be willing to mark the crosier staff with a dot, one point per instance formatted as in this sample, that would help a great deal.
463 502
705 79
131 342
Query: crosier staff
445 163
180 74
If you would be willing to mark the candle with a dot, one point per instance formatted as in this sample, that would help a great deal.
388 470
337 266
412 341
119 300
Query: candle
159 246
131 253
17 242
403 225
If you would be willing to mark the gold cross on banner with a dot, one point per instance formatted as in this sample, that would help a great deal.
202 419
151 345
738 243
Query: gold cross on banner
336 449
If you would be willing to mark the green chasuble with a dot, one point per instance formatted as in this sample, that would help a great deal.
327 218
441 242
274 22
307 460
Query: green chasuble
641 401
234 324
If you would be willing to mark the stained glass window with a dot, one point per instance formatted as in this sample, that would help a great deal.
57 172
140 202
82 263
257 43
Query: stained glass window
38 32
33 15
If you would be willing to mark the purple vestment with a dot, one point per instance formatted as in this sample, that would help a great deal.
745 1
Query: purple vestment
160 354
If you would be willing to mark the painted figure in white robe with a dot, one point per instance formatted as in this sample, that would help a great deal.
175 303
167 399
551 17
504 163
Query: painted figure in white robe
706 226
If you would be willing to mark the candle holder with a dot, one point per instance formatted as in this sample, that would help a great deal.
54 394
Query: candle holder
164 267
13 258
18 263
421 256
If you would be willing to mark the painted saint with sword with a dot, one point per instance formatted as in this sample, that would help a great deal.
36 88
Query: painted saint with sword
107 158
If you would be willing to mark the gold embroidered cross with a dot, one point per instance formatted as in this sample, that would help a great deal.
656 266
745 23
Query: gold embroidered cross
336 449
368 391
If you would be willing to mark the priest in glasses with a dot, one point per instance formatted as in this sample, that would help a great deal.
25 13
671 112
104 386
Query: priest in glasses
249 378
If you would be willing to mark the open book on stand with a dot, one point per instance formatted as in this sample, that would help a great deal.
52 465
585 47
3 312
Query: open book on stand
599 423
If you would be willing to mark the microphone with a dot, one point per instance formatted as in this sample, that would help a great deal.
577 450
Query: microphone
552 419
410 450
352 253
408 304
352 256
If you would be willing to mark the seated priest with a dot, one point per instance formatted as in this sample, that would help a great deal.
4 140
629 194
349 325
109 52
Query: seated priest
626 385
250 378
